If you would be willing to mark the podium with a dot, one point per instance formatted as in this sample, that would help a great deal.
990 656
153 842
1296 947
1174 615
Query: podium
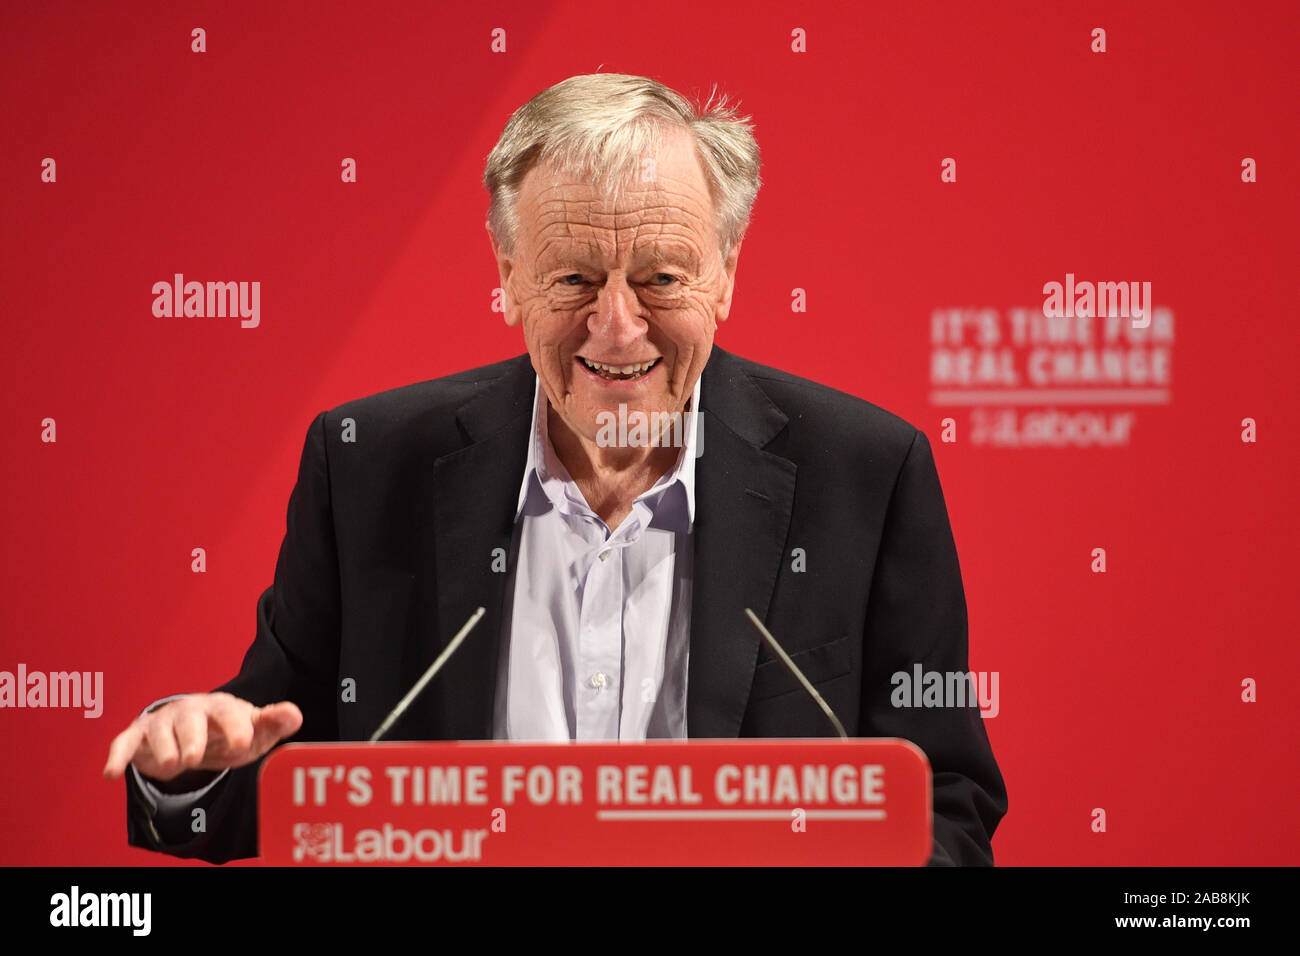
750 802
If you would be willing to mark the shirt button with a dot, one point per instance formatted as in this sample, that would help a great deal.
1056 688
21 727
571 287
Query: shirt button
604 555
599 680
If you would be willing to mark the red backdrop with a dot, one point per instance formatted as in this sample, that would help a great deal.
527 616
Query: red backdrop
1123 688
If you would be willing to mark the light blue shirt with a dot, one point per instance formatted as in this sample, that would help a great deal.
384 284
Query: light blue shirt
599 619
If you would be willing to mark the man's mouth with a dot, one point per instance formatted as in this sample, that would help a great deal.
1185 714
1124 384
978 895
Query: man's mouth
620 373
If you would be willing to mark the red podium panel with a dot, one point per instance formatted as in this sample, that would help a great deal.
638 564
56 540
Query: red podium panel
660 803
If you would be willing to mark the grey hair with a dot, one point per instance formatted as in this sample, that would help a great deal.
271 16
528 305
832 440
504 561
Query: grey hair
601 126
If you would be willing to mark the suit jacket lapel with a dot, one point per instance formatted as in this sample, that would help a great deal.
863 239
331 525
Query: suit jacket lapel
744 499
475 492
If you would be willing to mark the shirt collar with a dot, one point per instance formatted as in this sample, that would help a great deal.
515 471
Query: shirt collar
546 475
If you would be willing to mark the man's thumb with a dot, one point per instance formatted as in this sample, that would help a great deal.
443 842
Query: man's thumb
277 720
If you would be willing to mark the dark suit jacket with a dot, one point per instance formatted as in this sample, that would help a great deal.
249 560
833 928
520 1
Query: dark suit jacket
389 547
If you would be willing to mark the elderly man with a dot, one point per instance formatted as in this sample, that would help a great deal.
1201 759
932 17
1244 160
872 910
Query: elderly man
614 570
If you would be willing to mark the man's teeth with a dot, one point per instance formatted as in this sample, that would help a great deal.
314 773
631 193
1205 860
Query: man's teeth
628 371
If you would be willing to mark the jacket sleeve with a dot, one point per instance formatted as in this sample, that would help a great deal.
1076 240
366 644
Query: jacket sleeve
916 614
294 656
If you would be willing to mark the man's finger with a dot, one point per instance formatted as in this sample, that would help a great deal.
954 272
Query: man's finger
225 710
161 735
122 750
191 736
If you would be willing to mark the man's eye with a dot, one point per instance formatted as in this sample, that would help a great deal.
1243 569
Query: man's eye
573 279
660 277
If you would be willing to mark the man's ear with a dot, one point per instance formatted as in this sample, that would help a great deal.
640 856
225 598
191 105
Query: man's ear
505 266
723 308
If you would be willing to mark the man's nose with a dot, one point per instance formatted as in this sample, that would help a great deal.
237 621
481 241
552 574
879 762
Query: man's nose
617 319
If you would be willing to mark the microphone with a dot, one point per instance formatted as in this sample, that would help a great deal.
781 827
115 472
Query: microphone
420 684
794 669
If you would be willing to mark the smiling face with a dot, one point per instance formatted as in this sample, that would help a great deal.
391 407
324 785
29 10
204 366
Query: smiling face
619 302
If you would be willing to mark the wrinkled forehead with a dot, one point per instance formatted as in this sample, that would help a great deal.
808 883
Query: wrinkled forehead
561 213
